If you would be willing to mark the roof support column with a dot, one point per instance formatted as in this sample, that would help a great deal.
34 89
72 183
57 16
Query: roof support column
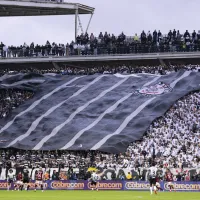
76 22
89 22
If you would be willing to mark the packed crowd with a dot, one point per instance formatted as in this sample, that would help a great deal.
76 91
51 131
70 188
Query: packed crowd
11 99
107 43
172 141
123 69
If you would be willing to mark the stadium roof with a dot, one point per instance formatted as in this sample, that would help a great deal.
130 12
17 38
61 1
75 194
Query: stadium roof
41 7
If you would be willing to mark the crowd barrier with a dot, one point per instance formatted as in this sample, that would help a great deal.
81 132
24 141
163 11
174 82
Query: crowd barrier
111 185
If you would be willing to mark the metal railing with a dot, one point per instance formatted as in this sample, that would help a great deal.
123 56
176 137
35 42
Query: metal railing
121 50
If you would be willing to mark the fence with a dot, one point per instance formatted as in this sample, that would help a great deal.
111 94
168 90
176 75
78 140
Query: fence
111 185
189 172
43 52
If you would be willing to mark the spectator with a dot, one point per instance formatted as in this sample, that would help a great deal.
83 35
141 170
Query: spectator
170 35
143 37
174 34
136 38
113 175
129 176
155 35
107 44
46 175
121 177
178 177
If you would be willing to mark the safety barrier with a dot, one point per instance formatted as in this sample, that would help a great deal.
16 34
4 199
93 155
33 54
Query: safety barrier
110 185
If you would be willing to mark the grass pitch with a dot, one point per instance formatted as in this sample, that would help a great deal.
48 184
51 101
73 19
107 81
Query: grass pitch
94 195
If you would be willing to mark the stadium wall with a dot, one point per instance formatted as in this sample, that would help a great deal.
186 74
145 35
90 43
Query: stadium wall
106 173
110 185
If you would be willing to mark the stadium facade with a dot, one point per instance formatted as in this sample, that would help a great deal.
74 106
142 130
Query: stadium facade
35 8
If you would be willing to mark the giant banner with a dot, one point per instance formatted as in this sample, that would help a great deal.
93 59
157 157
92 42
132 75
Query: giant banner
110 185
92 112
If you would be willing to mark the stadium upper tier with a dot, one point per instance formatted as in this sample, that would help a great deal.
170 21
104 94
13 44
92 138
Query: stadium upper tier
107 44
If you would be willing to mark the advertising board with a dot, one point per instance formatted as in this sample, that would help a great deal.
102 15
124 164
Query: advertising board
109 185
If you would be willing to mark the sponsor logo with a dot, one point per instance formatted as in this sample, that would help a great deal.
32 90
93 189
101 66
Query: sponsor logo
136 185
67 185
32 185
3 185
63 175
107 185
183 186
158 89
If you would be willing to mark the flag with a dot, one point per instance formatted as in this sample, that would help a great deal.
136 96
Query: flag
91 112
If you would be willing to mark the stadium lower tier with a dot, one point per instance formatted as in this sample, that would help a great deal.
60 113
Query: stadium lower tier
159 114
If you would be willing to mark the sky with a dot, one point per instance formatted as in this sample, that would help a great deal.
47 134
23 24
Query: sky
113 16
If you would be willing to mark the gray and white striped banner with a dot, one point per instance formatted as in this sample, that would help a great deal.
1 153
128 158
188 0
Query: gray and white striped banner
98 112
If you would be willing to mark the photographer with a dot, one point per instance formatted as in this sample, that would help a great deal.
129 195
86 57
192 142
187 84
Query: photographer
55 175
113 176
178 177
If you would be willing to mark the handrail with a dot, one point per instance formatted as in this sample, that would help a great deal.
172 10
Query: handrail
141 50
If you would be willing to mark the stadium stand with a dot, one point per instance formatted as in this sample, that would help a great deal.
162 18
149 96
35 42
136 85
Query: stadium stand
172 141
107 43
123 69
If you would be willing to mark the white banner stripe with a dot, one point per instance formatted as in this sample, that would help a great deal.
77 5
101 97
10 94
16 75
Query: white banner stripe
34 104
78 110
123 125
148 74
52 109
110 109
185 74
125 76
150 82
